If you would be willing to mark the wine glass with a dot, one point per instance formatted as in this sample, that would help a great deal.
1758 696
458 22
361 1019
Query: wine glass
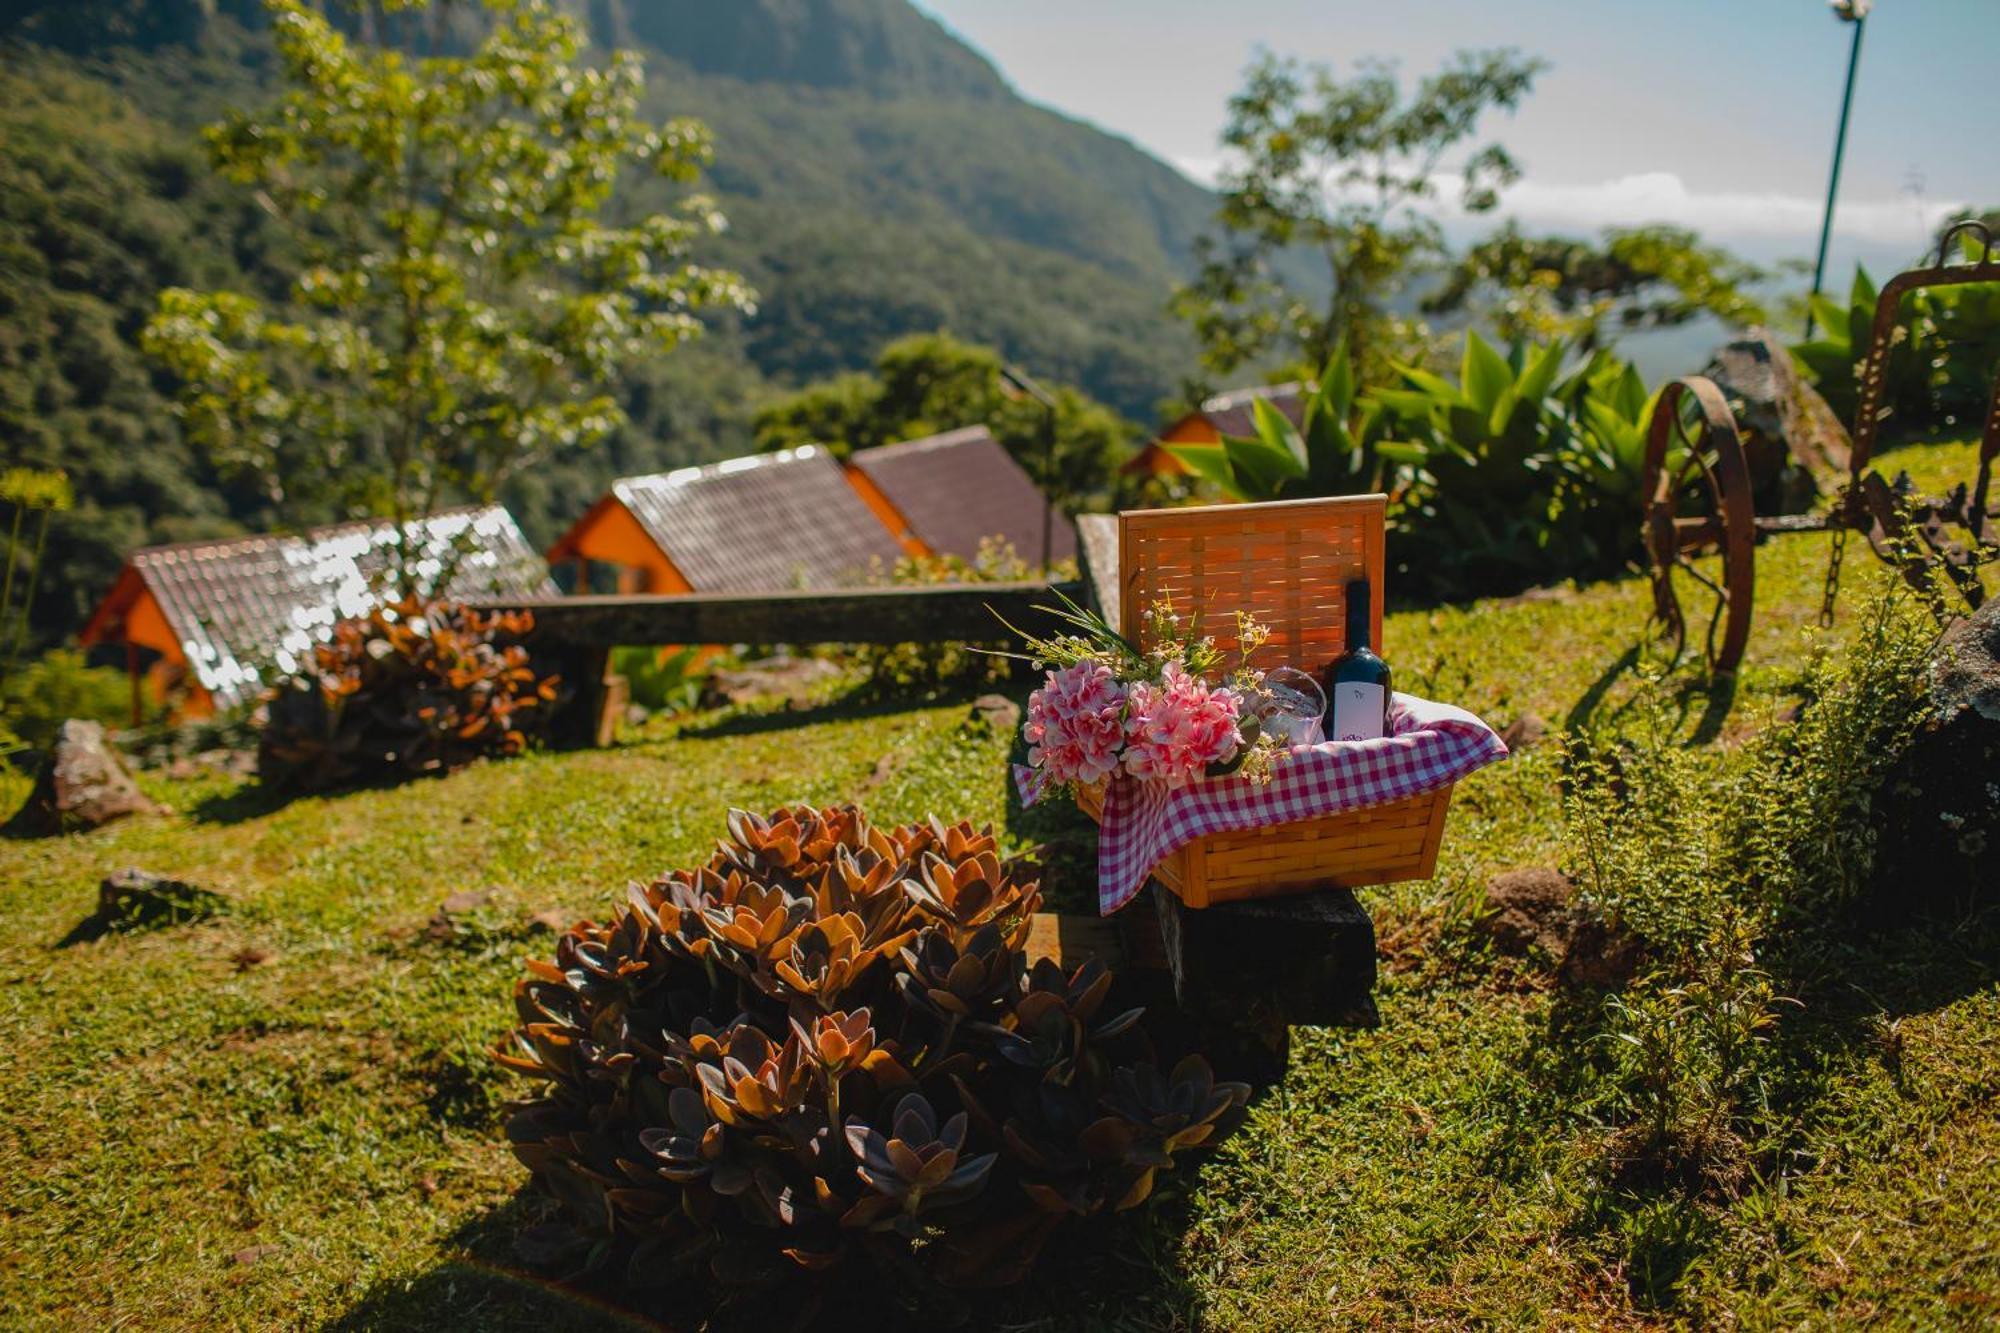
1289 706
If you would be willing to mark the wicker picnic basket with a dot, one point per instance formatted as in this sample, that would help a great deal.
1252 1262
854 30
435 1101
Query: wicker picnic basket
1288 564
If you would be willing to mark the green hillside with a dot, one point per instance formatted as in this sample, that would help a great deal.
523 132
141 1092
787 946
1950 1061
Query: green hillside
880 178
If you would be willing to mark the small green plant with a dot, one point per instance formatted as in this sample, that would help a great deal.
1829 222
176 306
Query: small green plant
824 1045
1943 346
927 667
1332 451
26 491
413 688
36 698
661 680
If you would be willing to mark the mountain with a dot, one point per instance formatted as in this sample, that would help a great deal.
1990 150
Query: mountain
880 176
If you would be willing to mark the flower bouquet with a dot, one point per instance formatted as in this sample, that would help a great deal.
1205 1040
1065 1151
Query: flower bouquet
1166 715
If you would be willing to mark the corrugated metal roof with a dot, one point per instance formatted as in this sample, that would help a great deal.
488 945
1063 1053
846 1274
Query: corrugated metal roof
1232 414
240 607
960 487
765 523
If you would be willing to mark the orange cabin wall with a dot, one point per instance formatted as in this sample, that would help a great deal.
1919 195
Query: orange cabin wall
885 511
130 614
611 534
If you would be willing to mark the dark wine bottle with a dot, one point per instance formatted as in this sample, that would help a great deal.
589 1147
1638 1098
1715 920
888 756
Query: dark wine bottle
1357 684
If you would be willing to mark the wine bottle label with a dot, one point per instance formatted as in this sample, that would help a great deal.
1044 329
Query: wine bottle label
1358 711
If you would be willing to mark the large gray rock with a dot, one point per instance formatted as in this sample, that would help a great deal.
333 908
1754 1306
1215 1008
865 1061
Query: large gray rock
85 784
1940 847
1790 434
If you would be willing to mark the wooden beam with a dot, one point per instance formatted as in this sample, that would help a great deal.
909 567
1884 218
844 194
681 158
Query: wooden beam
1097 547
938 613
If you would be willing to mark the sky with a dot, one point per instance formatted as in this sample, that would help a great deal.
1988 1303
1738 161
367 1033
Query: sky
1715 114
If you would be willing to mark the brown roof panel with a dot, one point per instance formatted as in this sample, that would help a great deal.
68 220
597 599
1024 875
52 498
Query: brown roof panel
243 606
766 523
1233 413
960 487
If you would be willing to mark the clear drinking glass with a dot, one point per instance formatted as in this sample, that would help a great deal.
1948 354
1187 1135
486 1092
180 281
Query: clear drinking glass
1290 705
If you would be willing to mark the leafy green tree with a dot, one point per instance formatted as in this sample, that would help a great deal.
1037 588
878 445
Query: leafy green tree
1547 287
463 297
1342 168
931 382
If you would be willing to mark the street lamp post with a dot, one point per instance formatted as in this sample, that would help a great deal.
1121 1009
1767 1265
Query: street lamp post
1855 12
1018 384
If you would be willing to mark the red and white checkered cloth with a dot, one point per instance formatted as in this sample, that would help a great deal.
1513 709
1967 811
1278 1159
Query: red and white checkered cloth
1429 745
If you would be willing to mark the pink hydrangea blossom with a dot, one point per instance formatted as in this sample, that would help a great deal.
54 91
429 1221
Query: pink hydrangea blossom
1076 724
1176 729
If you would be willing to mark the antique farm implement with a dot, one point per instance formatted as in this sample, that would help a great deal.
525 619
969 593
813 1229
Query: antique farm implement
1698 502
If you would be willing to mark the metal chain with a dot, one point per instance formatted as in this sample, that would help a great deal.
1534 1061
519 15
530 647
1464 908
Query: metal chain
1832 578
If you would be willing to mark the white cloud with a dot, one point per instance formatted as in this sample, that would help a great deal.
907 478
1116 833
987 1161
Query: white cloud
1663 197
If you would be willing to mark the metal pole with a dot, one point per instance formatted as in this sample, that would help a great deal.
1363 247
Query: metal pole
1839 150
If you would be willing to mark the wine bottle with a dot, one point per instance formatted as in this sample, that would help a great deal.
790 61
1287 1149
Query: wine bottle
1357 684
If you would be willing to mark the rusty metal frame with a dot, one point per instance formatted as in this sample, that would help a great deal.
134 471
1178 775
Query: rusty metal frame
1915 536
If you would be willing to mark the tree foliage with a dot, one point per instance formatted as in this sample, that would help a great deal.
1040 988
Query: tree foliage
930 383
1345 169
1541 287
462 297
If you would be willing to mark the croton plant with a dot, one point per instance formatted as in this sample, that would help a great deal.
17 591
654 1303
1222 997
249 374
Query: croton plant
412 688
828 1041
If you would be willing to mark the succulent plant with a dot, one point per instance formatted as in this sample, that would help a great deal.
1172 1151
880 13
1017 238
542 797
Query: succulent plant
827 1039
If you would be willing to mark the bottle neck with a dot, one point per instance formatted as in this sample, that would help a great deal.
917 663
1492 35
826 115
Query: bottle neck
1360 621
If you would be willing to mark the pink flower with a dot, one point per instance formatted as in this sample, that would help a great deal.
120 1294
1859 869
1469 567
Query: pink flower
1076 724
1176 729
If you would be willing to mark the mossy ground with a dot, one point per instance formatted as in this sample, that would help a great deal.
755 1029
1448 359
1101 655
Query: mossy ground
284 1116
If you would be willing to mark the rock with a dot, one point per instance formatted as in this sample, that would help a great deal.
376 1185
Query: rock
135 897
1939 807
1524 732
1789 433
552 920
84 785
637 715
1534 913
788 676
997 712
1529 911
1599 956
466 900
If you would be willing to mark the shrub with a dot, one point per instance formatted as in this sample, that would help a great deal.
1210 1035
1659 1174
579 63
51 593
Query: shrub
1944 345
661 680
827 1042
933 666
36 698
1721 864
411 689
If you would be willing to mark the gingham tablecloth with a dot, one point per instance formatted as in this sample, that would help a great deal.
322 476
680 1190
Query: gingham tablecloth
1429 745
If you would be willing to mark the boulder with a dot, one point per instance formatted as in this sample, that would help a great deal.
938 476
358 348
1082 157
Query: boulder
1529 911
1534 914
135 898
791 677
84 784
1789 432
1940 806
996 712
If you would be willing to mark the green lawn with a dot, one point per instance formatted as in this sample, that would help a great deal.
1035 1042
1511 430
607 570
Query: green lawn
283 1116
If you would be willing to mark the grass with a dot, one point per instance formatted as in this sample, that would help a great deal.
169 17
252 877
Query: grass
283 1115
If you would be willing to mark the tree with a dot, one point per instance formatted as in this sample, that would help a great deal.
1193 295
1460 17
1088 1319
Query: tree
1541 288
461 297
1341 169
931 382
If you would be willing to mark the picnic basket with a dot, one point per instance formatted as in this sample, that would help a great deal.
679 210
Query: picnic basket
1287 563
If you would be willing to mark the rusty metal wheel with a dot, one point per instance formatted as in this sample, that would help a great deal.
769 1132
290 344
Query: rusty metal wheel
1697 490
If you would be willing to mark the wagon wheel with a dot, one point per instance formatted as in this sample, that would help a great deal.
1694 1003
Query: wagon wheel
1695 463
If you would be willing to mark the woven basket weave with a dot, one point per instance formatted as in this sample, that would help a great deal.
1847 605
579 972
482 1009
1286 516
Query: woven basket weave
1288 564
